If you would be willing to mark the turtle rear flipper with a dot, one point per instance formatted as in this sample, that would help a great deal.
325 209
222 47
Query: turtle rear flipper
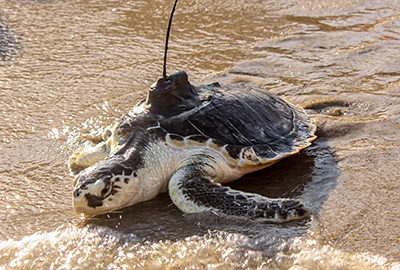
193 192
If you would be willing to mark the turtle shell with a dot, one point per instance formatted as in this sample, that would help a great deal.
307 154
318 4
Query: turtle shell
249 126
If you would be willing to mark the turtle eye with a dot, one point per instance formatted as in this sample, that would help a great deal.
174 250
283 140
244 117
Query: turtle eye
106 190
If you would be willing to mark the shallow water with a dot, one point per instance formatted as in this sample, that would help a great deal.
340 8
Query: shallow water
70 67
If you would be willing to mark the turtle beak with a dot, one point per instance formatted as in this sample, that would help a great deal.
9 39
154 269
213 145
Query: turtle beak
80 206
81 214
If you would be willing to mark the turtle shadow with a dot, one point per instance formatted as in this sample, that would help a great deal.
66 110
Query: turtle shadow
309 175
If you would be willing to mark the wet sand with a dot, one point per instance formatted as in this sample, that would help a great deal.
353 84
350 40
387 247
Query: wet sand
74 67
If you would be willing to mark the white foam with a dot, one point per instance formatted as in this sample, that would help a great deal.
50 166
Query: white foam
93 247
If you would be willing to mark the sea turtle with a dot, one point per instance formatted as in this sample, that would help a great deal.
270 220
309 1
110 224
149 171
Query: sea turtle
189 140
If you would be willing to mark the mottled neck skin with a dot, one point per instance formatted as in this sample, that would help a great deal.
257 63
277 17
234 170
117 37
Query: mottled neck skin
162 161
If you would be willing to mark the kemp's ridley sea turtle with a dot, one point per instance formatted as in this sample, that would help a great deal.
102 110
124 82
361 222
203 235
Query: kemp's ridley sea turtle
188 141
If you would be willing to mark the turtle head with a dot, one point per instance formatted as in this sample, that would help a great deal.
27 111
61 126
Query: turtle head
172 95
105 187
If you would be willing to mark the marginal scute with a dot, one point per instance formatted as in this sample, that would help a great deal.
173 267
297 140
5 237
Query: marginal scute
198 138
279 147
159 132
265 151
233 162
175 137
234 151
196 141
249 154
176 141
216 144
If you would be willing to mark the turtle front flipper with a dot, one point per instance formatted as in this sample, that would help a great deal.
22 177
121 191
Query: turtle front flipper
193 192
89 155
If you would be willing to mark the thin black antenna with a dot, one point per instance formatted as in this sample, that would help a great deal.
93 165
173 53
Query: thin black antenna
166 41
